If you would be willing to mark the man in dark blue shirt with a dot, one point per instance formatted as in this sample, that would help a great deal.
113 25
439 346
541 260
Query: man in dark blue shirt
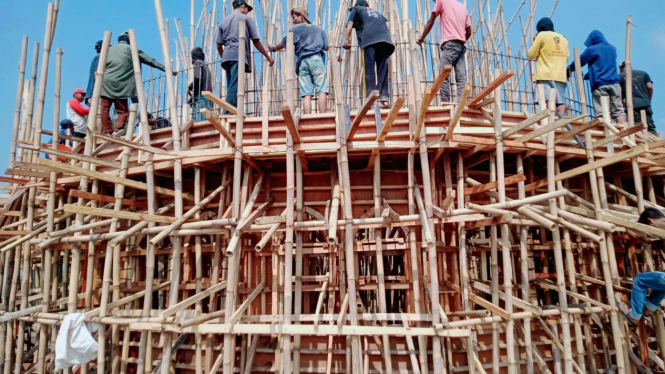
310 42
642 94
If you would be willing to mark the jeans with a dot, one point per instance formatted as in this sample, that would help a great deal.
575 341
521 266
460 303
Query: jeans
312 76
121 110
200 103
375 64
452 53
638 295
637 112
231 69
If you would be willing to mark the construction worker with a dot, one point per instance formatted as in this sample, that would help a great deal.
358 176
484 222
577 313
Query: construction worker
119 84
455 31
654 280
310 42
603 74
91 83
202 82
78 114
227 46
642 95
373 32
551 51
66 128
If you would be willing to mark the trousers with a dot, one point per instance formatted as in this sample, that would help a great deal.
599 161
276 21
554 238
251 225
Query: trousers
638 295
231 69
122 114
375 63
452 53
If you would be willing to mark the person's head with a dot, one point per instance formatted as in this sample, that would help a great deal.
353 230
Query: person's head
67 124
595 37
651 216
622 67
242 6
299 15
198 54
362 3
79 94
124 38
545 24
98 46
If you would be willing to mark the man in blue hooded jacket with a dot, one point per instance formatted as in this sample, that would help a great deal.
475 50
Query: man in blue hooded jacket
601 57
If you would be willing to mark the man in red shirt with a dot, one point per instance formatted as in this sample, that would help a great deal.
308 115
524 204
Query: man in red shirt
78 114
455 31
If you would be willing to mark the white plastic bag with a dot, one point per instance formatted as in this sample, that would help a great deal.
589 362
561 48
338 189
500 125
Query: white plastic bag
75 344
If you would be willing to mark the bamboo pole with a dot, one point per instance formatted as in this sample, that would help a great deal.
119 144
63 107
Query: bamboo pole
19 96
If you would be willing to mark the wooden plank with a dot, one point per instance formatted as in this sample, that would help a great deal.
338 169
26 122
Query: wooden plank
458 113
13 232
491 87
619 135
75 156
109 213
545 129
490 221
633 225
494 185
607 161
214 121
133 145
391 119
427 97
27 173
106 199
526 123
369 101
438 82
13 180
221 103
578 130
291 124
58 166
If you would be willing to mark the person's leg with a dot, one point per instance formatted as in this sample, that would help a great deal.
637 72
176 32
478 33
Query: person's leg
383 54
638 294
305 81
460 72
597 103
323 102
319 80
449 55
122 110
369 58
307 104
231 68
650 123
561 106
657 294
616 104
105 109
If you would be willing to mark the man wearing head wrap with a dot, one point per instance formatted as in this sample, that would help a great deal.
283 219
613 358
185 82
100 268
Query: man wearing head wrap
119 84
603 75
642 94
310 42
551 51
455 31
373 32
91 83
202 82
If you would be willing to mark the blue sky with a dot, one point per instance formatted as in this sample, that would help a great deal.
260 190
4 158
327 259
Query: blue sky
82 22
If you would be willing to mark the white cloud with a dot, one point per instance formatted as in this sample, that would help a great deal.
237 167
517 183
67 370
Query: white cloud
658 37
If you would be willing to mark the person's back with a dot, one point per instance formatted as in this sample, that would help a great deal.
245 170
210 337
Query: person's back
601 57
119 73
453 19
551 50
229 36
308 39
641 96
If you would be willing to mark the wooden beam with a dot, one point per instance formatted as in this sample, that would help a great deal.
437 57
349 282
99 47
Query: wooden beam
106 199
291 124
438 82
13 180
619 135
391 119
427 97
491 87
545 129
109 213
458 113
369 101
133 145
27 173
526 123
513 179
578 130
214 121
221 103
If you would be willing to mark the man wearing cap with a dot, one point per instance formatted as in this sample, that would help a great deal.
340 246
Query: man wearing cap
228 38
551 51
202 82
91 83
642 94
66 128
309 42
373 32
78 114
455 31
119 84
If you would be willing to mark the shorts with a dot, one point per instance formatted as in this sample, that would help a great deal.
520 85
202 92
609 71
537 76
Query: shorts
312 76
560 90
613 91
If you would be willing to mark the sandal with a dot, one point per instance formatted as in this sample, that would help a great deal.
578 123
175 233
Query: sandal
625 313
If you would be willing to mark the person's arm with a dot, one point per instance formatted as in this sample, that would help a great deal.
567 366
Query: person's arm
78 108
650 89
276 48
468 33
347 35
388 25
259 46
147 60
220 49
534 51
428 28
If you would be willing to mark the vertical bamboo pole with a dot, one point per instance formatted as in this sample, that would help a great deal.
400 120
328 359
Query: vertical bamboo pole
39 115
47 255
524 268
27 120
19 96
145 338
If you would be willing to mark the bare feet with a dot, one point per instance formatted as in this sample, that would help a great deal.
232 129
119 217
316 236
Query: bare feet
625 310
383 105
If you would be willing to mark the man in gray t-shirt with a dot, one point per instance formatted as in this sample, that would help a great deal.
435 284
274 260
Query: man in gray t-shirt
228 39
642 94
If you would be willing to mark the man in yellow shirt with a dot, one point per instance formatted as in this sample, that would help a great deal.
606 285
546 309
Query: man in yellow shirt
551 51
